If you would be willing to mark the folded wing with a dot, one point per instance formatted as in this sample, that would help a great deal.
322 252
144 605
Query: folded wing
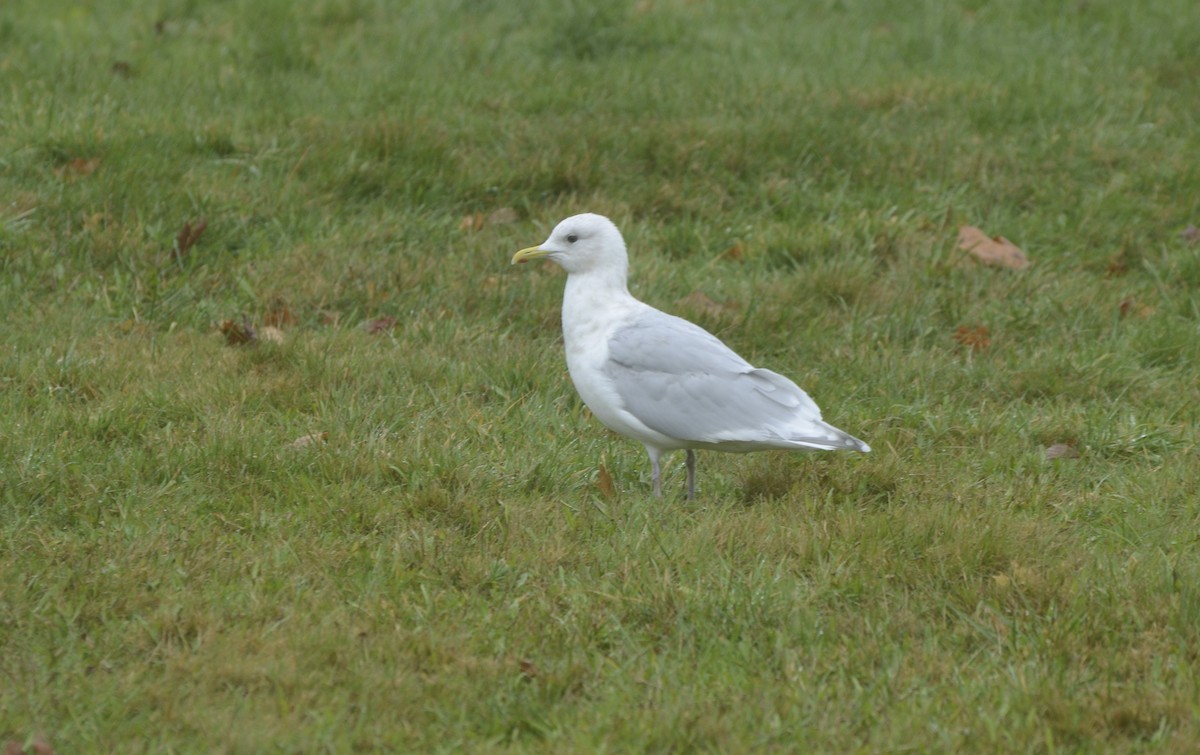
681 381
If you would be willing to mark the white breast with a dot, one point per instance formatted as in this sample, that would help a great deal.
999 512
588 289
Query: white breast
590 315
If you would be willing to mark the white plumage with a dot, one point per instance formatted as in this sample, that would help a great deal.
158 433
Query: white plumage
660 379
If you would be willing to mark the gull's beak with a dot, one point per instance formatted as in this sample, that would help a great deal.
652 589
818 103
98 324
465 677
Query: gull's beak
532 253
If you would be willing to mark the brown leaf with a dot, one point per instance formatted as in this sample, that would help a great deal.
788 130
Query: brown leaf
122 68
188 236
330 317
735 252
238 333
1061 451
503 216
1117 266
308 440
1191 234
471 222
976 337
78 168
604 482
998 251
698 301
528 669
1130 306
280 317
379 325
39 746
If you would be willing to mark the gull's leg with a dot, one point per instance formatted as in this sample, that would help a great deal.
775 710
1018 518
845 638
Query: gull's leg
691 468
655 470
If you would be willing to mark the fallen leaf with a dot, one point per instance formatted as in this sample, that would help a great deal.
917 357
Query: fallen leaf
271 334
735 252
122 68
280 317
78 167
698 301
1191 234
39 746
330 317
1061 451
528 669
604 482
976 337
997 251
1131 306
379 324
308 440
476 221
187 237
503 216
238 333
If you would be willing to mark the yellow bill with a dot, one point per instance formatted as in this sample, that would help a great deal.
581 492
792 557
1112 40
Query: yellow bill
531 253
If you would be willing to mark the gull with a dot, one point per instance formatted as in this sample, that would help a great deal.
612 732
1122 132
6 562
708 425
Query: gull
660 379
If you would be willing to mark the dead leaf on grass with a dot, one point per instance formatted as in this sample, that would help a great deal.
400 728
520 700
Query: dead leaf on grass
996 251
187 237
604 482
38 746
122 68
238 333
528 670
975 337
477 221
735 253
308 440
78 167
1061 451
1117 266
1131 306
280 316
380 325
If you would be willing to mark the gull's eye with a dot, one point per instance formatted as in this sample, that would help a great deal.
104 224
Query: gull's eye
572 238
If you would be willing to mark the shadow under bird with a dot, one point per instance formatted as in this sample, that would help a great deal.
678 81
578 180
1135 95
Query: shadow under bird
660 379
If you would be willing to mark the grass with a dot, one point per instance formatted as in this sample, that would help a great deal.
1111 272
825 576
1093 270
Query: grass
449 569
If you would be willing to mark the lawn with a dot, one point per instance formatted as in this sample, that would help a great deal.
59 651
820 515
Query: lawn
386 522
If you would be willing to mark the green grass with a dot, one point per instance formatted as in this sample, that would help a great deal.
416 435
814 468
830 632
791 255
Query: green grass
448 571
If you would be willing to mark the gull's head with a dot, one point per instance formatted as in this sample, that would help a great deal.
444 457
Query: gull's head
581 244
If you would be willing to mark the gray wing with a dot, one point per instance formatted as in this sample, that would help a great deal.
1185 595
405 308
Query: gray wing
681 381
